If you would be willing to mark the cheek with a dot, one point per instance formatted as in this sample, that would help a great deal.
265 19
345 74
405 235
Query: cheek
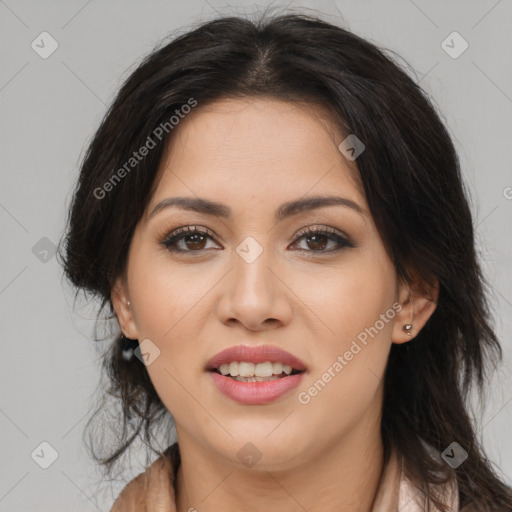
347 300
168 312
167 293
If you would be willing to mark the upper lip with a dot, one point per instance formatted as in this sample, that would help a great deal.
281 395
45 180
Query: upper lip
255 354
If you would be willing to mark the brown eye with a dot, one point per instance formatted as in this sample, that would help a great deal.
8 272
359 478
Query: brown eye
318 239
195 242
317 242
187 239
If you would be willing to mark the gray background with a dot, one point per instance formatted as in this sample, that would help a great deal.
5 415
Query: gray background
49 367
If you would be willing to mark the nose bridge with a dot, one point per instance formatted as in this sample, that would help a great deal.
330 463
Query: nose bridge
253 294
252 261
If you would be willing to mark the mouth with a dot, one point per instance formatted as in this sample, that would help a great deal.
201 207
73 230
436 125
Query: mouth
261 361
255 375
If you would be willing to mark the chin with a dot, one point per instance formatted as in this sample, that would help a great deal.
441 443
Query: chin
256 449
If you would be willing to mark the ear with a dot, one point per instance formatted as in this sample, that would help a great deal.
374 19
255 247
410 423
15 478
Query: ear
419 301
123 308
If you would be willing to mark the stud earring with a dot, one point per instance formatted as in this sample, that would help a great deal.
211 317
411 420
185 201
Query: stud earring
407 328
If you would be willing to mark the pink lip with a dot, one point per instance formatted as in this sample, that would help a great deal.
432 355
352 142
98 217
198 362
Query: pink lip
257 354
255 393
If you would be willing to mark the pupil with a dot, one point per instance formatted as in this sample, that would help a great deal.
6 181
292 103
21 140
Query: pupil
195 240
315 241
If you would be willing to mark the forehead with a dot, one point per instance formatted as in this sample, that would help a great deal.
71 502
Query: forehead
256 147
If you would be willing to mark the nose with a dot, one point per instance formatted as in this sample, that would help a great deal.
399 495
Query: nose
255 294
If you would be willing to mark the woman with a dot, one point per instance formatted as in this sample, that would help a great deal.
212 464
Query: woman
274 213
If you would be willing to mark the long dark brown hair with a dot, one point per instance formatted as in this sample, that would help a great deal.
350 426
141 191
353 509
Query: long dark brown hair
411 176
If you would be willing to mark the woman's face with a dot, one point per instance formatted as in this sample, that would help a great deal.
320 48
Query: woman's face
257 279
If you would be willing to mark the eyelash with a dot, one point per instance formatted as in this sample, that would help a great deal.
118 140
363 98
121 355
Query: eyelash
169 242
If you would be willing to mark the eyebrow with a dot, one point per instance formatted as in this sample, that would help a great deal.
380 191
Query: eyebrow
286 210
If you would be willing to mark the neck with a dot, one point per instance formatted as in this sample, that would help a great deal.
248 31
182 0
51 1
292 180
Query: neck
343 477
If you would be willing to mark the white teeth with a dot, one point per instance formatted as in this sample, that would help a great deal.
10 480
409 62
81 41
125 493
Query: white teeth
224 368
264 369
246 369
277 368
233 369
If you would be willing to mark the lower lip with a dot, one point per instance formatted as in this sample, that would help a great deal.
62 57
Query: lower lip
256 393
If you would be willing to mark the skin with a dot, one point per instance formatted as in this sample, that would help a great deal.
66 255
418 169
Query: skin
253 155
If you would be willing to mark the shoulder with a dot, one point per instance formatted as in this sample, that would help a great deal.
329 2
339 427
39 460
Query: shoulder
131 498
152 490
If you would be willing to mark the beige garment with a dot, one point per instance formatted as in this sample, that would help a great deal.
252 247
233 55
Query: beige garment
153 490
